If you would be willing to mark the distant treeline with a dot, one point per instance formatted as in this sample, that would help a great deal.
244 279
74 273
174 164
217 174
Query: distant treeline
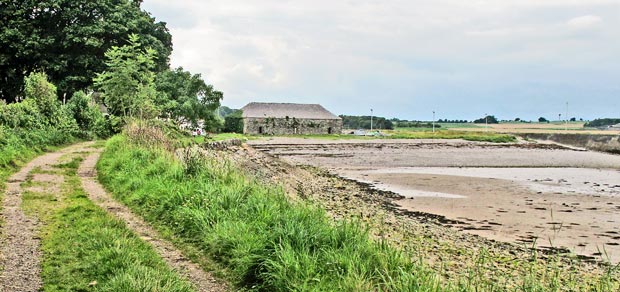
363 122
452 121
601 123
412 124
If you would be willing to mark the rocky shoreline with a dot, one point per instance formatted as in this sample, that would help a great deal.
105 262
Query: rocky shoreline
427 238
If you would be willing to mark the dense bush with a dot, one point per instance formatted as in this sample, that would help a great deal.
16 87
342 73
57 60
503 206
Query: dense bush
487 120
363 122
233 122
415 124
602 123
40 121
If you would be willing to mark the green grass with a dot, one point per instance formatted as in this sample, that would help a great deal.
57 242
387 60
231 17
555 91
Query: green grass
86 249
263 241
451 134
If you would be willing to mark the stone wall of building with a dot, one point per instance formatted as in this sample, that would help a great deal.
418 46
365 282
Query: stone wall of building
290 126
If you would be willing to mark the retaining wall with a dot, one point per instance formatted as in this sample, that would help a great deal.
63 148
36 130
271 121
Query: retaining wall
605 143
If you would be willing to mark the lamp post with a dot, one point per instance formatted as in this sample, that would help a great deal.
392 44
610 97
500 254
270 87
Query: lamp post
371 120
433 121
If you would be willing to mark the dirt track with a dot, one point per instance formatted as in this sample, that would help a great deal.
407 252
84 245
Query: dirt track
20 246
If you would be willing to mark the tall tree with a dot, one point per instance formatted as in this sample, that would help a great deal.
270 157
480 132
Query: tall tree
187 97
128 83
68 40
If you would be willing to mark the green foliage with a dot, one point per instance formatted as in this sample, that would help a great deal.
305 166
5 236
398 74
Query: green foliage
128 84
23 115
265 242
233 122
489 119
542 120
415 124
225 111
68 39
601 122
187 98
450 134
90 120
363 122
43 93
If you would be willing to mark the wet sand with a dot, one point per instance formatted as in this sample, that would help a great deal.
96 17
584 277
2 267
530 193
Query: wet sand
519 193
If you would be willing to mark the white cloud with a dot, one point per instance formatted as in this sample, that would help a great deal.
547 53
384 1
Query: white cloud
583 22
402 52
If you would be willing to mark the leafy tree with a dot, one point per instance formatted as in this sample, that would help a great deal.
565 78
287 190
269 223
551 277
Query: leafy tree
542 120
517 119
68 40
187 98
490 119
128 84
225 111
573 119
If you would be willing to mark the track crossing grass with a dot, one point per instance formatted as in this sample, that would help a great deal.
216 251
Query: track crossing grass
85 249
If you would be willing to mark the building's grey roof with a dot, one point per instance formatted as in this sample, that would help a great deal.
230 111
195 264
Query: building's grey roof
283 110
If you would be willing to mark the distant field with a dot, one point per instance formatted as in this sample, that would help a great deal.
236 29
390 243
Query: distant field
573 128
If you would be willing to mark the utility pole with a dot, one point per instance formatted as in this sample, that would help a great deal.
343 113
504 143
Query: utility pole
486 122
566 117
433 121
371 120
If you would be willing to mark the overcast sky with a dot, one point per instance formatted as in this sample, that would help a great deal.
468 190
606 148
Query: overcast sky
406 58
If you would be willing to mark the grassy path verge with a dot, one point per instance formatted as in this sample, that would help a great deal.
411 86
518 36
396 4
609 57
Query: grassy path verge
173 257
83 248
264 241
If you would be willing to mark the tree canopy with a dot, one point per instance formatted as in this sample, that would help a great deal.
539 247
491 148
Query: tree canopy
186 97
128 83
363 122
489 119
67 39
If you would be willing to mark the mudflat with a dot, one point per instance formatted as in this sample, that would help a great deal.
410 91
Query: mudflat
530 193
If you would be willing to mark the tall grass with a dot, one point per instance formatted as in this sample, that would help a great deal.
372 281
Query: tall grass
264 241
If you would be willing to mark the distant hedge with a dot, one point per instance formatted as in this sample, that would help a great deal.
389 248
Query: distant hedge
601 123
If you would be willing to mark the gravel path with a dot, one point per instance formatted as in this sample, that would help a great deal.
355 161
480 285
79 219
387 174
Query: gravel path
19 245
202 280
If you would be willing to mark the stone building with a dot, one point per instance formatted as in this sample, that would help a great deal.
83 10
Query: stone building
288 119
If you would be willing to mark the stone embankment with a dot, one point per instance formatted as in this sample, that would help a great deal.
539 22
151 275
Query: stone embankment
603 143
